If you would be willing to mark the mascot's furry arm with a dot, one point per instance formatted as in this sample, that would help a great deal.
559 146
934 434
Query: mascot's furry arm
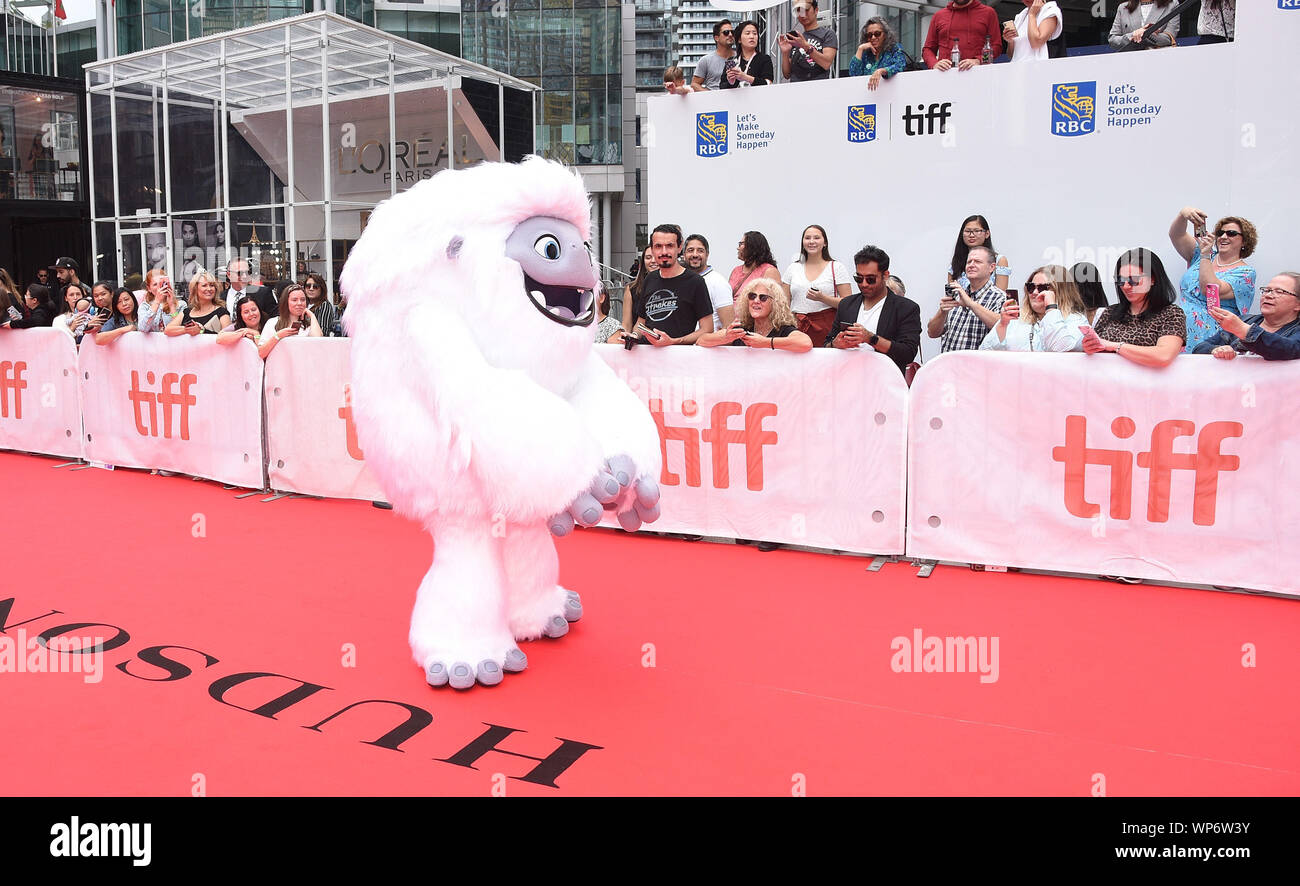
481 407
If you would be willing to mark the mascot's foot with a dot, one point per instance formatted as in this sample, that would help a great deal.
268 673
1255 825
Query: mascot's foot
549 617
488 672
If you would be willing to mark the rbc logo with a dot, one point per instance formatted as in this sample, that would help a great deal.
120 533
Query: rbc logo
1074 108
711 134
862 123
1288 4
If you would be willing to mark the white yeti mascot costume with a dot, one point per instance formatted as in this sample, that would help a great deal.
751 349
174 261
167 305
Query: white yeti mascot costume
482 409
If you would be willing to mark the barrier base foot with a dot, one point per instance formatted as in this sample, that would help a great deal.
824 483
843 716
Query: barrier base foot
925 569
250 494
879 562
277 496
66 464
82 467
382 505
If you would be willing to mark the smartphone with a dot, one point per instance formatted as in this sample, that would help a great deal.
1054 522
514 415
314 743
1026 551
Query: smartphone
296 325
731 63
1212 295
105 312
1201 231
641 327
1088 331
792 33
1013 295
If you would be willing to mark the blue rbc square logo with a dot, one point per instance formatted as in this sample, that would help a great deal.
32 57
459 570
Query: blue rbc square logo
1288 4
711 134
862 123
1074 108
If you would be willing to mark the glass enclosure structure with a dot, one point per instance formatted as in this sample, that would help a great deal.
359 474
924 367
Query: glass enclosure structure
275 142
570 48
40 144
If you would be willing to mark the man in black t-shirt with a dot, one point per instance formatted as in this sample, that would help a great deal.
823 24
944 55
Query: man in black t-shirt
677 301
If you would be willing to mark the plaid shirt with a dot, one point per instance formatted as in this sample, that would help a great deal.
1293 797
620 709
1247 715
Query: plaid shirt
963 330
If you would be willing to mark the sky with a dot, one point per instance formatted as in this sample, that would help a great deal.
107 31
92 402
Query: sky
77 10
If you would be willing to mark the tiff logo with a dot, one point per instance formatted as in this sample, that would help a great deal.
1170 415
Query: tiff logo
1160 461
719 437
11 379
924 118
345 413
168 397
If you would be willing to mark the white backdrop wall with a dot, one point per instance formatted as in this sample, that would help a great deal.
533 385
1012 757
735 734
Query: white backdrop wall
1223 139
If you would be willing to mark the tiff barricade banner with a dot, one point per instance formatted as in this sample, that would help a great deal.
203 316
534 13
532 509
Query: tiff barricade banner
806 449
1077 463
311 441
182 404
40 409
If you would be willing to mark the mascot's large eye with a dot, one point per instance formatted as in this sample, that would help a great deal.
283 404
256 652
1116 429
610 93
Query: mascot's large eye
547 247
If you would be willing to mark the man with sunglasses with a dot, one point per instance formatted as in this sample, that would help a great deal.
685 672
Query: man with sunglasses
874 317
1273 333
243 282
710 69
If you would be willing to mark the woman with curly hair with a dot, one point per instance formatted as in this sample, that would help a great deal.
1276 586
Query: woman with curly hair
1218 260
763 320
879 56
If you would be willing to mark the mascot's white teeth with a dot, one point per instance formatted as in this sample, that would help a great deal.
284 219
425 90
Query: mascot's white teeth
567 305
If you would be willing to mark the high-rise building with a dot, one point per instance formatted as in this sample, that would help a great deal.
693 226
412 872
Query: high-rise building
693 37
654 44
581 53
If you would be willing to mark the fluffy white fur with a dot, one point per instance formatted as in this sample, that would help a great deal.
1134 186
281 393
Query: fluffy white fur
480 417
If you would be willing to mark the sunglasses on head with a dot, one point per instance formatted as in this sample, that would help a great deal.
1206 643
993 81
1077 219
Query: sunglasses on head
869 279
1031 288
759 296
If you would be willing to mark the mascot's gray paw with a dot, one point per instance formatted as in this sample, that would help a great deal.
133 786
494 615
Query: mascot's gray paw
586 509
645 506
572 606
556 627
488 672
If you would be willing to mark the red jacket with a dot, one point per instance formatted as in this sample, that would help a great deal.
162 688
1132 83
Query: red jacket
969 26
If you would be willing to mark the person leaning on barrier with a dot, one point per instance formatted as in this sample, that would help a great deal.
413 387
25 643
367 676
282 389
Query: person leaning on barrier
102 296
1048 319
968 24
160 303
634 296
879 56
675 81
1146 326
205 312
247 324
1273 333
294 319
124 318
1133 19
876 317
763 320
37 310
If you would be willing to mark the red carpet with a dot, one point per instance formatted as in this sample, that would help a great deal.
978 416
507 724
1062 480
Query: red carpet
772 672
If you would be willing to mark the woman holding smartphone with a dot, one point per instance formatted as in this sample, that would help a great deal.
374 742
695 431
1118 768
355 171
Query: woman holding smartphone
206 311
1048 319
1145 327
633 295
160 303
294 319
815 285
763 320
1218 260
38 310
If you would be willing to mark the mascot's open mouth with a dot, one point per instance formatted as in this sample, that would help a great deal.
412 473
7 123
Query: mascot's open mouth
569 305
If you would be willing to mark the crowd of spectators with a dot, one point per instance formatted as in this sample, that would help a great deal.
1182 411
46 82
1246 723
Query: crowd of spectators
231 304
677 297
963 35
